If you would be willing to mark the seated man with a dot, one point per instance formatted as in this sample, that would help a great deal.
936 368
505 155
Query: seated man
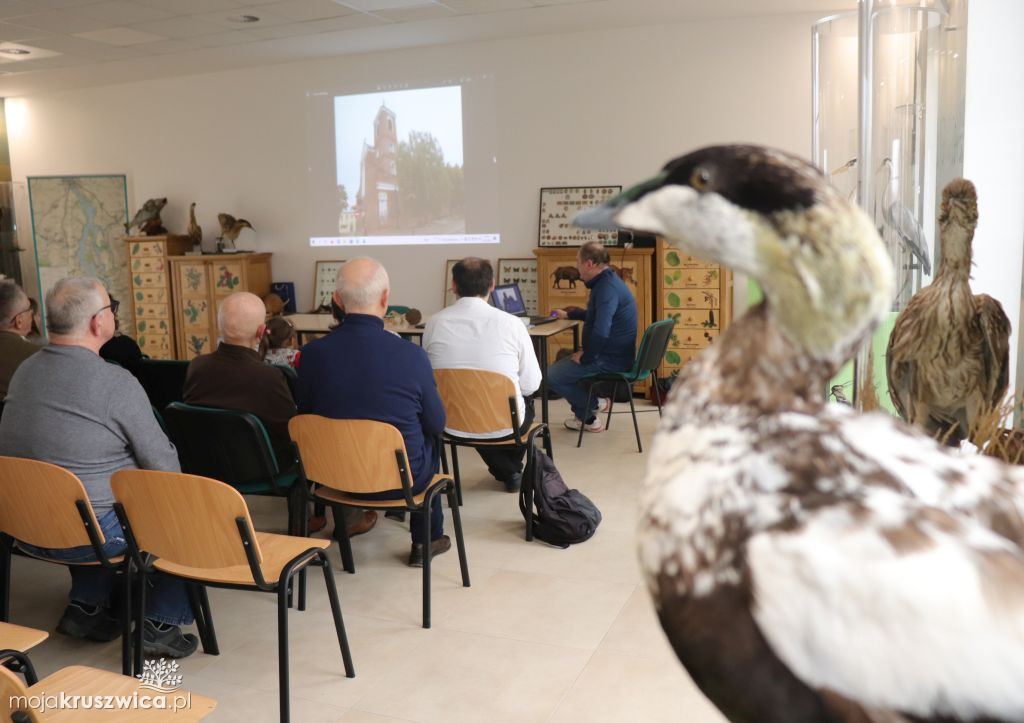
68 407
609 336
122 349
472 334
361 371
234 376
15 324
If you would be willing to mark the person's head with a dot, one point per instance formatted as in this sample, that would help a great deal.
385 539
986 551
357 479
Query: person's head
472 277
15 309
591 260
280 333
240 318
79 312
363 287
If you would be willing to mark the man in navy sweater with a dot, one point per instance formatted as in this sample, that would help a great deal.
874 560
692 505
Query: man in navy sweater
609 336
362 371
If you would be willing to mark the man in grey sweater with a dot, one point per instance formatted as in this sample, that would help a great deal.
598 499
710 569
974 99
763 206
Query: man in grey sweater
69 407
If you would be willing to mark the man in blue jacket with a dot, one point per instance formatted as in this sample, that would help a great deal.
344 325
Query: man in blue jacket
609 336
362 371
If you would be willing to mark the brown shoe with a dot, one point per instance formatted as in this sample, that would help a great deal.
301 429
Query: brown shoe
363 524
438 547
316 523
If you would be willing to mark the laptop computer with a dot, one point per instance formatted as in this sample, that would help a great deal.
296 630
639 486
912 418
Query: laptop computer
508 297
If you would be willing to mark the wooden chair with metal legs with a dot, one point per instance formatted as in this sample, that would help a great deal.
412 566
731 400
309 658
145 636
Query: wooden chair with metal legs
44 505
477 402
35 702
15 641
348 457
199 529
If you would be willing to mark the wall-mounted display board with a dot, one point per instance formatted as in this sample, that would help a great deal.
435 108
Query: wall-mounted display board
558 207
325 280
524 273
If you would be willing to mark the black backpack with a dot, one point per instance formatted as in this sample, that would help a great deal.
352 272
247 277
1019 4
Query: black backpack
564 516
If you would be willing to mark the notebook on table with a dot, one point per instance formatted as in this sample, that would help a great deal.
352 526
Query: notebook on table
508 297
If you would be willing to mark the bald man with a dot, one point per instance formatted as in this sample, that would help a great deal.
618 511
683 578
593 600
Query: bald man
234 376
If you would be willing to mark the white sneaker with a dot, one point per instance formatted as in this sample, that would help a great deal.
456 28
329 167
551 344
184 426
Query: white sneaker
574 424
603 404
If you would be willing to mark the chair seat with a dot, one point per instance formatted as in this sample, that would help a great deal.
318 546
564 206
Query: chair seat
21 551
17 637
79 680
629 377
333 496
284 483
508 441
278 551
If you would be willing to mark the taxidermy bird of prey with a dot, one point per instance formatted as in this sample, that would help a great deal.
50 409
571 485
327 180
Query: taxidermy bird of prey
147 218
810 563
949 354
194 230
230 227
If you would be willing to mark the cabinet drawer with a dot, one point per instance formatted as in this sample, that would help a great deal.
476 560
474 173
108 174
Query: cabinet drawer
151 311
675 359
227 277
691 299
157 346
695 318
692 338
149 263
151 296
192 278
152 326
674 258
146 248
149 280
195 312
196 343
690 278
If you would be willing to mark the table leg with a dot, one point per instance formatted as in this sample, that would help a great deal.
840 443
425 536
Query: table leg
542 357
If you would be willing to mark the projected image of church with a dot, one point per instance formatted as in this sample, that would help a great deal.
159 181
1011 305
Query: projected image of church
400 169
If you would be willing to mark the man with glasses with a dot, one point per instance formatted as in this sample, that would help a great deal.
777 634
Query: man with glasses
15 324
69 407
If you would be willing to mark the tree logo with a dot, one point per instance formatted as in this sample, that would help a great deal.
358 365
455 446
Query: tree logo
160 676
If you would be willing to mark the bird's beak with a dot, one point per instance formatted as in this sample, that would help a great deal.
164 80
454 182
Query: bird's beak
602 218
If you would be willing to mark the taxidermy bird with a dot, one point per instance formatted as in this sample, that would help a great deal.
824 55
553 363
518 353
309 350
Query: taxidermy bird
230 227
807 562
949 354
147 218
194 230
902 221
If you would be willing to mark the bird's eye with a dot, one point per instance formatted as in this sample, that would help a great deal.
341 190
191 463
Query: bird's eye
700 178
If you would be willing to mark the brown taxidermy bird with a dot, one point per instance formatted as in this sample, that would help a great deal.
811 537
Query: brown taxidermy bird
230 227
949 353
194 230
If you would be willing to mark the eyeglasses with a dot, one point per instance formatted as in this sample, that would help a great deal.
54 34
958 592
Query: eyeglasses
113 306
15 317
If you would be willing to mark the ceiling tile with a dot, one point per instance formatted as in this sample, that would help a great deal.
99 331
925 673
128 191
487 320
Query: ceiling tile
190 7
72 45
165 47
408 15
472 7
375 5
233 37
346 22
121 12
175 28
10 31
289 30
59 4
226 19
9 8
120 36
54 61
307 9
64 21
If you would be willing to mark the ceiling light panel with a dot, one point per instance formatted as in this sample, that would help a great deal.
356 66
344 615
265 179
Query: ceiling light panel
23 52
229 19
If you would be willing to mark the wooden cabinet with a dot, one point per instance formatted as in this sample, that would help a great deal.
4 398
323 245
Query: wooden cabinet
559 286
199 283
151 291
698 295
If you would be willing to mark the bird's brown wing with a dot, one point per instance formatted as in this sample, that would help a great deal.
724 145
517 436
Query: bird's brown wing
994 326
899 369
226 221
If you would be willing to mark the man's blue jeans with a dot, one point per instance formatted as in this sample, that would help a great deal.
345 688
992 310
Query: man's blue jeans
563 376
166 599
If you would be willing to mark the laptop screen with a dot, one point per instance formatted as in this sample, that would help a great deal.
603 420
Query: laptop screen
508 297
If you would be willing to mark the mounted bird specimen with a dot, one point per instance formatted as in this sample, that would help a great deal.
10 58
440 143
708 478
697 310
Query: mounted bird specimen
147 218
949 353
808 562
194 230
230 227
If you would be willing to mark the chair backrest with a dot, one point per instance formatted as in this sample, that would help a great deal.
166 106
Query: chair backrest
351 455
38 504
13 688
223 444
475 400
290 376
653 346
182 518
163 380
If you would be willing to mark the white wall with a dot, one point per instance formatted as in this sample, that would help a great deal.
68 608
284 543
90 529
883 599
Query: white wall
588 108
994 154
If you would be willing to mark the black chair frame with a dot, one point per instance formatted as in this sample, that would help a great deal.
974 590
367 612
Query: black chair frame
17 661
345 544
282 588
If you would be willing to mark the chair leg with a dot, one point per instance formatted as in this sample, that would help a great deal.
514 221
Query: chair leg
204 620
590 396
444 459
657 390
527 492
140 620
547 443
339 624
460 542
636 427
455 473
282 649
427 502
126 619
611 405
348 563
5 582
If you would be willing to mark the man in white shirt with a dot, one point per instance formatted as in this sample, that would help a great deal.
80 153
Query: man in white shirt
472 334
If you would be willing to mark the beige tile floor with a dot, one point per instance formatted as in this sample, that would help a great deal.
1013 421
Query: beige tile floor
543 634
